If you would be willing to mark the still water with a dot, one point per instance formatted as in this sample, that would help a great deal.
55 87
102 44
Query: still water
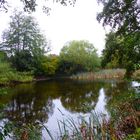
50 101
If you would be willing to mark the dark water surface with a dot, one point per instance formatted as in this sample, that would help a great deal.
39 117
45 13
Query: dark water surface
54 100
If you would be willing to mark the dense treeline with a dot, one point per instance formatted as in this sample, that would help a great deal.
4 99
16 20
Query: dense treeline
79 56
121 49
25 49
25 52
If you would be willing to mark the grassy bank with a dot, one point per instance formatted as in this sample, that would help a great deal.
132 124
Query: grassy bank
9 75
15 77
101 75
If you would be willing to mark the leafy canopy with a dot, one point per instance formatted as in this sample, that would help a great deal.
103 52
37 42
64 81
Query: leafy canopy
80 56
24 40
23 34
122 52
113 52
124 17
30 5
121 14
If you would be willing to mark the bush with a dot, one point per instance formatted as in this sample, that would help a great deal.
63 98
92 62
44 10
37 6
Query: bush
7 75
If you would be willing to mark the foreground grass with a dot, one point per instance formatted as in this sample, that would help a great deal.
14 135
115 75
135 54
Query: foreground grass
95 129
124 123
91 129
102 74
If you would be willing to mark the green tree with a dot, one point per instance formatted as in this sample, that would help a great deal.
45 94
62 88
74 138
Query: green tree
122 52
132 52
23 40
23 34
22 61
50 64
121 14
79 56
114 51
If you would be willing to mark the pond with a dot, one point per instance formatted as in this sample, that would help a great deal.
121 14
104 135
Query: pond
50 101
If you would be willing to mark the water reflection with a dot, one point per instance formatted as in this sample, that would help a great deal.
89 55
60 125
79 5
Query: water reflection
100 107
26 105
43 101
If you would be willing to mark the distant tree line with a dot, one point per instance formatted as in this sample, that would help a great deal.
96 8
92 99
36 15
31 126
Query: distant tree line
122 43
27 50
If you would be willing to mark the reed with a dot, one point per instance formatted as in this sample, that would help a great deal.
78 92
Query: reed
136 75
125 124
93 128
101 75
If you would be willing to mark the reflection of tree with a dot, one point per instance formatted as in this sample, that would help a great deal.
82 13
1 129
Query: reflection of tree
117 92
28 103
74 96
28 106
81 97
118 88
31 102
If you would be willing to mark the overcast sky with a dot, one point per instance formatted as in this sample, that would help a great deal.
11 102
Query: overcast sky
66 23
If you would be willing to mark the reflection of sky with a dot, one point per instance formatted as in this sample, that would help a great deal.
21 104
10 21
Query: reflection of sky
100 107
60 113
136 86
58 98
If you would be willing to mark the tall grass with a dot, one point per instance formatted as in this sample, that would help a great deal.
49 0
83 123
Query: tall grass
91 129
136 75
102 74
28 132
124 126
